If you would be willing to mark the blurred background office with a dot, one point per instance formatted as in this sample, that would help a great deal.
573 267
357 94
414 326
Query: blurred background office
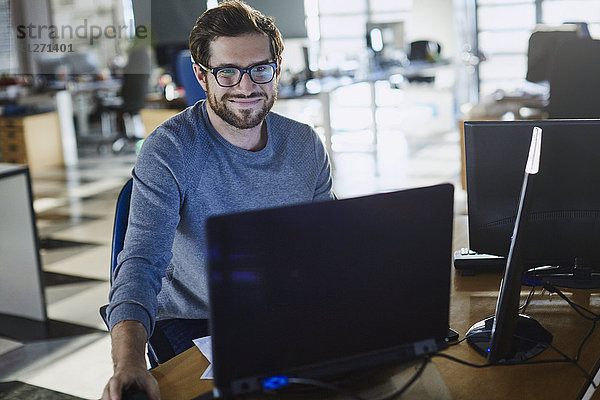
386 84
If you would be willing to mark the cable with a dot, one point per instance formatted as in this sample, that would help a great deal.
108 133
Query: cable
412 380
527 300
457 342
574 306
579 309
459 361
340 390
501 364
585 339
576 363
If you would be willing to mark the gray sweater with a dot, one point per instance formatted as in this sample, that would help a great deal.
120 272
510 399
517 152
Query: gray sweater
185 173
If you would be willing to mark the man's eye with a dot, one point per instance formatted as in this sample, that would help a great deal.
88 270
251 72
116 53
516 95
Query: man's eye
227 71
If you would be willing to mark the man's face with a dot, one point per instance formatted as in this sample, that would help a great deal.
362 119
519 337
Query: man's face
246 104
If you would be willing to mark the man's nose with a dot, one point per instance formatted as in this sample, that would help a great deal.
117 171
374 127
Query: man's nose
246 83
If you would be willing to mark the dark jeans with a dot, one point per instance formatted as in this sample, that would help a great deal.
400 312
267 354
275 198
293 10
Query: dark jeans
174 336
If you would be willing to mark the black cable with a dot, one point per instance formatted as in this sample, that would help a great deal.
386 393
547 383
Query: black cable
574 306
500 364
527 300
565 359
412 380
585 339
459 361
457 342
589 378
340 390
594 319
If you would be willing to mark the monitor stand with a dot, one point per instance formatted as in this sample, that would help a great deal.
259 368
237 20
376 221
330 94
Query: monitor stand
576 276
530 339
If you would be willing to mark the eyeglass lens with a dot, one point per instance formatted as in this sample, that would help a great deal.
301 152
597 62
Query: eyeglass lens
258 74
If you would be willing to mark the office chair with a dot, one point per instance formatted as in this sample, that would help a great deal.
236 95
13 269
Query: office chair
159 349
134 89
186 78
575 81
540 52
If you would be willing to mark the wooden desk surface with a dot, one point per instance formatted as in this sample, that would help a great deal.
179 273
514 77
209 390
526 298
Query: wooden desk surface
472 298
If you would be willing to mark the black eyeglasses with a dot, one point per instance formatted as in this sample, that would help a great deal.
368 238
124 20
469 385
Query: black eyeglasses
231 76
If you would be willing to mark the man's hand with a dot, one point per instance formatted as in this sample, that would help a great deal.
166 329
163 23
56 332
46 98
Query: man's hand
128 346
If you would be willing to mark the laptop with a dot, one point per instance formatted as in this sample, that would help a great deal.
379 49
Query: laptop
321 289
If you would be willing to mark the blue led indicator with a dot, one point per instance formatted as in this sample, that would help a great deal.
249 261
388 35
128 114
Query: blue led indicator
275 382
489 349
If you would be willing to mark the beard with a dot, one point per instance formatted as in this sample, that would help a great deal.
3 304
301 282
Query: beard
243 118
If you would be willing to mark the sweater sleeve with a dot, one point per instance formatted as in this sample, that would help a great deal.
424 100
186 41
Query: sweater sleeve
158 179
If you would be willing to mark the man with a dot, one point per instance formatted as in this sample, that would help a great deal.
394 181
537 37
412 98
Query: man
223 155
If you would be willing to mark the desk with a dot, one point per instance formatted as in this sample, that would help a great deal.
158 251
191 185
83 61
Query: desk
472 299
33 139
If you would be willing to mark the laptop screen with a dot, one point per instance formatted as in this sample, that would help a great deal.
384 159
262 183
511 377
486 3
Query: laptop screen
315 289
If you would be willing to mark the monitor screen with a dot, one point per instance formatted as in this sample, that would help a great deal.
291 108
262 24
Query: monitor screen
170 24
564 215
289 15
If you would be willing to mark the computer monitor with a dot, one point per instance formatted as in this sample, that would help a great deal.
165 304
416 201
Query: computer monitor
170 24
561 247
321 289
289 15
510 337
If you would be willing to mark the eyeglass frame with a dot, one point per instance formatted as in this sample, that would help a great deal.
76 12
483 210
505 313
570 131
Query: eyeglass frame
214 71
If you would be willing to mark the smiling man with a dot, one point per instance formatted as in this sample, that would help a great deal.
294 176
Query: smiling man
226 154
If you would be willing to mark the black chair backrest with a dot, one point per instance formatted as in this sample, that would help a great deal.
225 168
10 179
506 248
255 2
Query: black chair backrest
541 50
575 80
187 78
120 224
136 75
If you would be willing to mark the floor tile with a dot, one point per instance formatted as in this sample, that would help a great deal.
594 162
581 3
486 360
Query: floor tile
93 263
81 307
7 345
58 293
99 231
26 330
78 366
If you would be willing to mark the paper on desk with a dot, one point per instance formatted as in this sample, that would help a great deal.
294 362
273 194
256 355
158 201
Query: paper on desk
204 344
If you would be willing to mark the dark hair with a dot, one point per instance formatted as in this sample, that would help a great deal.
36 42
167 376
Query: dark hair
231 18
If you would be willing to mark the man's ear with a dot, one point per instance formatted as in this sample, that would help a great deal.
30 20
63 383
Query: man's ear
200 75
